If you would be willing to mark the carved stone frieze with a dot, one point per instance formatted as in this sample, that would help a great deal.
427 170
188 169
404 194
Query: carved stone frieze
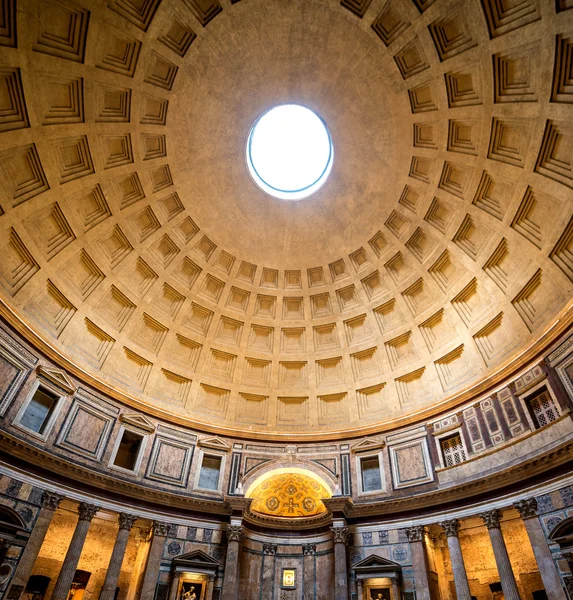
309 549
51 500
527 508
269 549
491 518
451 527
415 534
126 521
340 534
87 511
235 533
161 529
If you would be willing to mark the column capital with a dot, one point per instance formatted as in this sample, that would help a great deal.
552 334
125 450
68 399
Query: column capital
51 500
451 527
87 511
269 549
161 529
308 549
211 577
340 534
415 534
126 521
491 518
235 533
527 508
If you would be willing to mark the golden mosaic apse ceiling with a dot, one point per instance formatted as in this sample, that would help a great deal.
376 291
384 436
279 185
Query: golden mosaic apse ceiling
138 252
289 495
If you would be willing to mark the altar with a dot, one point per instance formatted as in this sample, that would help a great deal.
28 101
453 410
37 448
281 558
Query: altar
377 578
193 576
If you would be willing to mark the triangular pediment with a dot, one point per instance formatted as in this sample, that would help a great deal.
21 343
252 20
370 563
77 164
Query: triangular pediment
58 378
374 563
197 558
368 444
215 443
138 421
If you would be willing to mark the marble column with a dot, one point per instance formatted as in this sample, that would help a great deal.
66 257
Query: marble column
70 564
452 528
114 568
360 589
174 586
268 569
340 537
506 576
395 588
415 536
309 571
547 569
160 532
50 503
231 579
209 589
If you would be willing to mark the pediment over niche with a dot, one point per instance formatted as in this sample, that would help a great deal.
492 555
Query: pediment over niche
215 443
138 421
368 444
375 564
197 559
58 378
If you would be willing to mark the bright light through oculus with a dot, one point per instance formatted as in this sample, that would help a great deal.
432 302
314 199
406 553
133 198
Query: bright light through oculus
289 152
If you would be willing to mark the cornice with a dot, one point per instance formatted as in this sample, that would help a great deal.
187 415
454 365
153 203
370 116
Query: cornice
105 481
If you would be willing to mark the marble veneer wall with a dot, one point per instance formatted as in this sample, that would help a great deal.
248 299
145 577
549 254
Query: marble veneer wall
263 556
495 428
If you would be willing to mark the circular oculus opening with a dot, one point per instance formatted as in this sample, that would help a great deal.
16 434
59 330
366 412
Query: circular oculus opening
289 152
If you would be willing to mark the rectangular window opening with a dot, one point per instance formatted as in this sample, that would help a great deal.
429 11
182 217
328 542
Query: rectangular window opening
210 471
453 450
39 411
541 407
128 450
371 478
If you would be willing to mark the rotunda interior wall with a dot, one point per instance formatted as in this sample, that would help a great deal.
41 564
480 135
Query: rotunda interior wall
95 557
84 435
139 253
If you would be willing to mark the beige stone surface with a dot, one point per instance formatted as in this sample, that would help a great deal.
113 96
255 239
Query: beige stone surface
95 555
134 242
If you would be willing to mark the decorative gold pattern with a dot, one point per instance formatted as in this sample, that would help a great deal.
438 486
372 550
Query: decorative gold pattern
289 495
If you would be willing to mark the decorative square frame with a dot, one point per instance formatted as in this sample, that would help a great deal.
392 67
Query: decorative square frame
99 410
403 441
285 570
159 443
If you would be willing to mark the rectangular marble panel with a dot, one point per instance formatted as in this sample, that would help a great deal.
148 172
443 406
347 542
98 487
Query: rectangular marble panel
170 461
87 427
410 463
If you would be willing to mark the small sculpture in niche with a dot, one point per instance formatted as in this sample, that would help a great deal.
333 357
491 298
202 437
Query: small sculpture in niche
379 594
190 590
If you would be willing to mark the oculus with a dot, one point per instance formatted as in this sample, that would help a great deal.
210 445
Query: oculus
289 152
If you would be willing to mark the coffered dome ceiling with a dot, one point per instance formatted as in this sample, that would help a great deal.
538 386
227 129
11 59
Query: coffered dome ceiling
137 249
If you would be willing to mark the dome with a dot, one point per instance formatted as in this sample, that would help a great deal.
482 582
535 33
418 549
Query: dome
140 254
286 293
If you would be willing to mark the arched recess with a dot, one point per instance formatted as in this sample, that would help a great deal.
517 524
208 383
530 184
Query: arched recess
562 534
10 521
259 474
289 492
